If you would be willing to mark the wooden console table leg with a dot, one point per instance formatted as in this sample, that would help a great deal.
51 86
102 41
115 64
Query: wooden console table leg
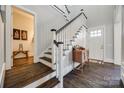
26 54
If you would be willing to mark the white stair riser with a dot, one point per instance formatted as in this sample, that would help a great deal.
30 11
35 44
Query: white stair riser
47 55
49 50
57 86
46 63
41 81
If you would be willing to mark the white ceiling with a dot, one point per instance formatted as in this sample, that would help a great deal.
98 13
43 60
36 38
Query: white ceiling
97 14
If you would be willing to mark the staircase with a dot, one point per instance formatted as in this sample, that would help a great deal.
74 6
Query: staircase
63 41
48 73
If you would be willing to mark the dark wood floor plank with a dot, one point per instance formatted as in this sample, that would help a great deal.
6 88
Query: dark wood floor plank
94 76
22 61
46 59
49 53
21 76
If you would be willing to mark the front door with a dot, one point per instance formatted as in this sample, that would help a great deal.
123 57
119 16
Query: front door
96 43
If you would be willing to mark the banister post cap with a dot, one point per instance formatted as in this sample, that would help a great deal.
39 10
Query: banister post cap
53 29
82 10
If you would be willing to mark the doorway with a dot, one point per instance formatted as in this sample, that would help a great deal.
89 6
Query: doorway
96 43
22 37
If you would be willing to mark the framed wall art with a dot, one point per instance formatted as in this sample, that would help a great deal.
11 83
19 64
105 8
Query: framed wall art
24 35
16 34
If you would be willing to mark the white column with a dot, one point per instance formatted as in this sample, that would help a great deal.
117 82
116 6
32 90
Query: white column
53 49
60 61
1 41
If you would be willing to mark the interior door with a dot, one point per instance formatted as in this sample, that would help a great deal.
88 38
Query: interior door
96 43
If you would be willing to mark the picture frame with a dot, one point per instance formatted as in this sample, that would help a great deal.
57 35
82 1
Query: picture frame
16 34
24 35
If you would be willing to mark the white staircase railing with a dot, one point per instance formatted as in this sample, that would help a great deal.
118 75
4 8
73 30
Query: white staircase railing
61 41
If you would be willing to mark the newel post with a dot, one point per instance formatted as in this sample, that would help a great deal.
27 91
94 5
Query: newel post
60 61
53 49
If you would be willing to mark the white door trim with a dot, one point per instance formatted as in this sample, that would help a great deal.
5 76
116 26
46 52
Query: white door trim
9 30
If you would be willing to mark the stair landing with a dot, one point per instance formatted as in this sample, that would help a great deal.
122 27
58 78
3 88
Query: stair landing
23 76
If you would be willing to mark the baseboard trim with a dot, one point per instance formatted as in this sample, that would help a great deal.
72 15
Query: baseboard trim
108 60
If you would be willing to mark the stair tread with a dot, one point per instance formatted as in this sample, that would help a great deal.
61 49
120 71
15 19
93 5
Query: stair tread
49 53
46 59
50 48
50 83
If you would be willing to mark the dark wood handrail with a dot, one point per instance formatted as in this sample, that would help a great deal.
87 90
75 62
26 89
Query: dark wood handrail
67 9
59 9
59 30
84 15
85 26
57 43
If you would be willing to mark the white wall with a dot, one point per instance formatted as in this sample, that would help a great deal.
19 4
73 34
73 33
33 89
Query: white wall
109 43
122 57
47 19
2 64
122 45
102 15
117 34
1 41
23 22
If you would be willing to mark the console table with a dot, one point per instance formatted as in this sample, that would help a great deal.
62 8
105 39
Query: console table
17 52
80 55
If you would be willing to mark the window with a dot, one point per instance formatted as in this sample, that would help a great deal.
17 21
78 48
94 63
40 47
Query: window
95 33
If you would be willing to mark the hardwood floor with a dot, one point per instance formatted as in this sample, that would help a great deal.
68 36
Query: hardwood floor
23 75
50 83
94 76
22 61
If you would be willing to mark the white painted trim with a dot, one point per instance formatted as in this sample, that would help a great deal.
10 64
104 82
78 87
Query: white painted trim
9 31
46 63
2 75
70 68
47 55
108 60
57 86
41 81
